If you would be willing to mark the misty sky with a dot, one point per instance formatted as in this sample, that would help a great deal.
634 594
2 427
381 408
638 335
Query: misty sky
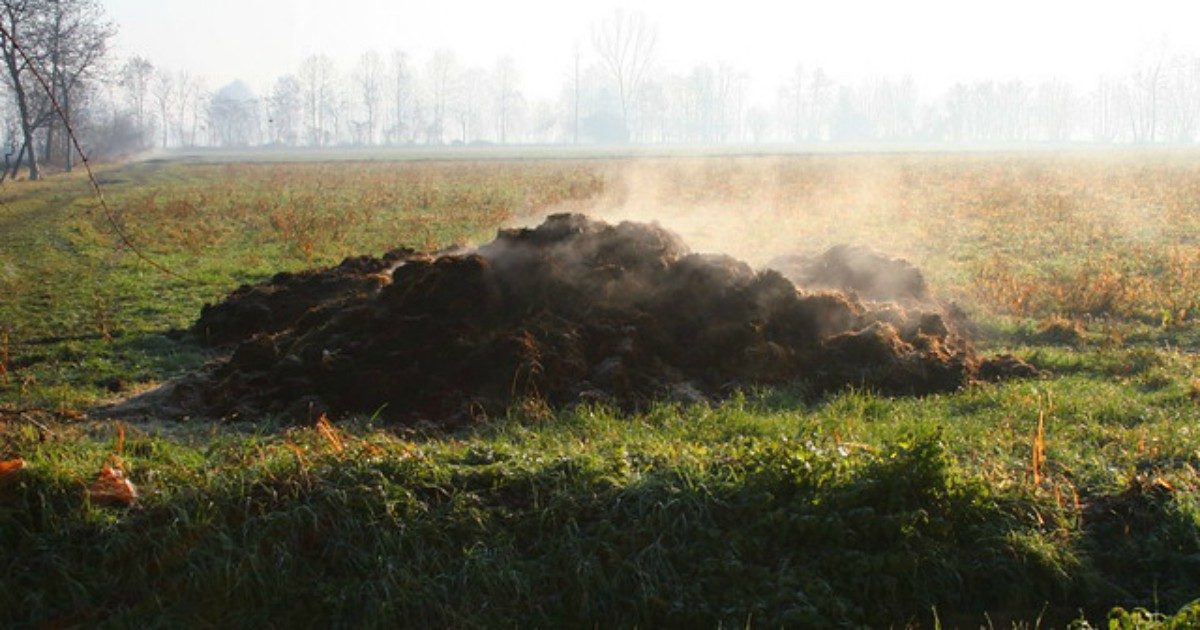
938 42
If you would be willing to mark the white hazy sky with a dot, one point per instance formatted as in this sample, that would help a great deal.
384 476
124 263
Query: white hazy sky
938 42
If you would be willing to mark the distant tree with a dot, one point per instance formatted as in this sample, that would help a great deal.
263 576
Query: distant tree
163 88
469 101
1056 109
337 114
1104 111
820 93
135 78
730 95
1181 110
195 98
185 87
234 115
697 104
957 106
369 79
849 123
505 81
653 102
795 95
710 101
317 84
625 43
758 121
402 98
890 106
1013 111
544 120
443 85
50 48
286 109
75 36
1143 98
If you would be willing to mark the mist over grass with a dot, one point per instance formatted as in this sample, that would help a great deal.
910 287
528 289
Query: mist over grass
769 508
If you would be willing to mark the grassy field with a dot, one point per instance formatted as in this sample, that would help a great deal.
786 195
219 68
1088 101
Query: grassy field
765 510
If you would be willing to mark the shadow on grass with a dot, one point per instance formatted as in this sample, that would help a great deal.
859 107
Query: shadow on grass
776 533
85 368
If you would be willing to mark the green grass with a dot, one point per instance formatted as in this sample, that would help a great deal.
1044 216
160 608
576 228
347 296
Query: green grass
764 510
858 510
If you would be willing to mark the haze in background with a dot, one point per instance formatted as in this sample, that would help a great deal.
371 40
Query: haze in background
937 42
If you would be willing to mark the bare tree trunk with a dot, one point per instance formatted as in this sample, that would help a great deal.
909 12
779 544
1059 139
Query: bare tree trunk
27 130
48 151
8 167
13 66
68 161
20 160
54 83
35 169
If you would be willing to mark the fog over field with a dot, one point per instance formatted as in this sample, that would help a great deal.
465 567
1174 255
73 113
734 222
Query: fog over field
133 75
539 314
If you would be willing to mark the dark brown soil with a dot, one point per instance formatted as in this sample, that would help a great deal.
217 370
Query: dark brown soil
281 302
573 310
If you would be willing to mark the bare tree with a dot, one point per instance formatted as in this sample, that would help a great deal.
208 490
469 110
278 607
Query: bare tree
369 77
711 102
730 95
286 110
75 38
890 107
135 78
337 113
467 102
1181 109
402 97
50 49
697 103
189 92
234 115
201 101
544 120
1146 85
443 86
1013 110
316 80
794 95
1055 109
625 44
19 19
820 94
162 88
1104 111
508 95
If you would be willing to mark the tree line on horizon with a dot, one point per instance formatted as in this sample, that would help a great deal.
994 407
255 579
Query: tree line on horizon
61 71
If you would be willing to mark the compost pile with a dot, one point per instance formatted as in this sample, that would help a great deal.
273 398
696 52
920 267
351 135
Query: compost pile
573 310
866 273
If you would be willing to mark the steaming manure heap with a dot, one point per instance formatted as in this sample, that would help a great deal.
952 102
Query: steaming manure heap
576 310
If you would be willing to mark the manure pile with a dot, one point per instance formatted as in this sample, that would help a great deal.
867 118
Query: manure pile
575 310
